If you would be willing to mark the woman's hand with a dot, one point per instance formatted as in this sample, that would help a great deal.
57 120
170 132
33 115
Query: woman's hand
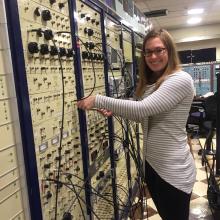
105 112
87 103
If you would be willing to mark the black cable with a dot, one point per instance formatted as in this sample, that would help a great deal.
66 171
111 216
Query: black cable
92 62
61 130
77 196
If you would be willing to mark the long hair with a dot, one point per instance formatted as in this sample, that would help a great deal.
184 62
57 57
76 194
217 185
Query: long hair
172 65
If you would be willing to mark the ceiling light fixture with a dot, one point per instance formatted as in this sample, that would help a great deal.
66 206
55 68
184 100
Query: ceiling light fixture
194 20
195 11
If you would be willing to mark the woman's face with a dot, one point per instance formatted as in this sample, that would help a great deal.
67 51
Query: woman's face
156 55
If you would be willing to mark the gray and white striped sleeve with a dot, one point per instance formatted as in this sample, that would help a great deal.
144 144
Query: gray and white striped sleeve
175 88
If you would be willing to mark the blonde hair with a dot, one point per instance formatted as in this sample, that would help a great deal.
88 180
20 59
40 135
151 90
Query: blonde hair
173 60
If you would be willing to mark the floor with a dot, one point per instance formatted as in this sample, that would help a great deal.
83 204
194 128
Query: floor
199 208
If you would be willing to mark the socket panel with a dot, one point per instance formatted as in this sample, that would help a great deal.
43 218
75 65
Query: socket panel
127 46
201 75
117 82
92 63
39 21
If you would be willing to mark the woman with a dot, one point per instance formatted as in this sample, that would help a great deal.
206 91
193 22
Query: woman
165 95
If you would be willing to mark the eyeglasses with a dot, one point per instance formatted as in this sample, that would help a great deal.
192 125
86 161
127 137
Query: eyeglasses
157 51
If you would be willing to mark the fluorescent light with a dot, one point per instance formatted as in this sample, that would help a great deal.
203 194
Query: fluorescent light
195 11
194 20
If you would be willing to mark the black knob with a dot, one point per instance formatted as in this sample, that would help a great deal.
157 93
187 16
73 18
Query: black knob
46 15
48 34
67 216
52 1
69 53
93 20
61 5
90 56
87 18
33 47
84 55
82 15
90 32
97 23
90 45
96 56
44 49
62 51
53 51
37 11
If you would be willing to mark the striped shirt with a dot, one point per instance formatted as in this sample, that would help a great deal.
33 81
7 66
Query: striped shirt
163 114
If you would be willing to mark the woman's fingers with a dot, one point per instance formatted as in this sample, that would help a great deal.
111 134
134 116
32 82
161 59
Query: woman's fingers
87 103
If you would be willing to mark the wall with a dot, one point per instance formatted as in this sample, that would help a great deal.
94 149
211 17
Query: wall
198 38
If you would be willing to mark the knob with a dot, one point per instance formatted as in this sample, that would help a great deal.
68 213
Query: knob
90 32
53 51
87 18
93 20
44 49
90 45
46 15
33 47
62 51
48 34
90 56
69 53
82 15
97 23
84 55
61 5
52 1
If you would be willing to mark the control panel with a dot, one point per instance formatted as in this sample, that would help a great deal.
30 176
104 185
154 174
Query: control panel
115 57
201 75
47 46
92 67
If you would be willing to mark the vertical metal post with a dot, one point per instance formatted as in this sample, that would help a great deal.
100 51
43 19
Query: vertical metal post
217 71
82 114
